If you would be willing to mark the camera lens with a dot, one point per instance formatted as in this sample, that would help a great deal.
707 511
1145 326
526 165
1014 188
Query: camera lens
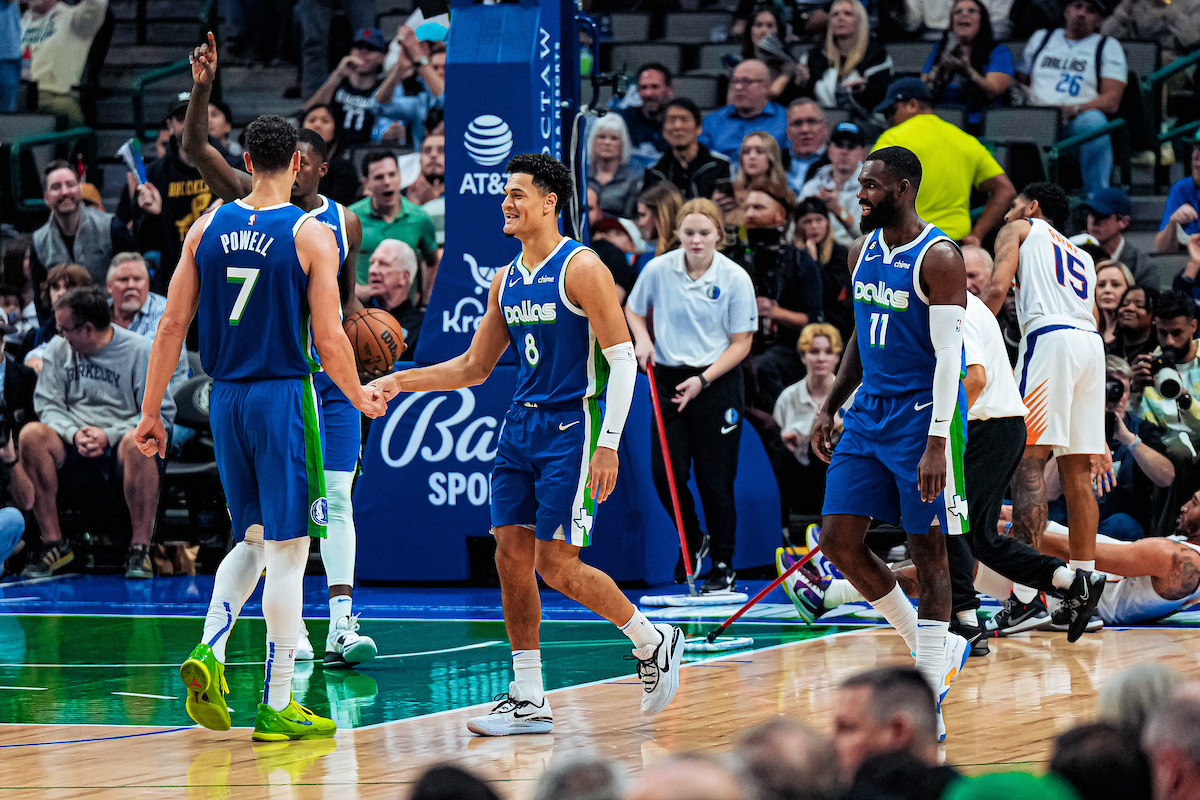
1114 390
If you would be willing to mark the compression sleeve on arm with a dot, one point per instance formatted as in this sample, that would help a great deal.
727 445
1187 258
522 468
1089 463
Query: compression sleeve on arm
622 375
945 331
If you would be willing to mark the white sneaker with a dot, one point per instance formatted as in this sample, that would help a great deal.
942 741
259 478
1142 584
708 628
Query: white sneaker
304 648
659 669
958 650
345 648
513 716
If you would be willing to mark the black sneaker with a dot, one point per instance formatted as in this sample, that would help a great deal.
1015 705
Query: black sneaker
1077 613
1016 617
137 562
698 557
55 556
976 636
721 578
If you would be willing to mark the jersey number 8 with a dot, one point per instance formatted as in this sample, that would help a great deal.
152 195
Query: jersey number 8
531 352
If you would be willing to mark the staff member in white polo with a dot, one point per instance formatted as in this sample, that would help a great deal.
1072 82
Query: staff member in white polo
995 443
705 316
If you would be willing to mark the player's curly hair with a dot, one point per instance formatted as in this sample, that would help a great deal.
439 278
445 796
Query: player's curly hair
1052 200
270 140
320 150
901 162
548 173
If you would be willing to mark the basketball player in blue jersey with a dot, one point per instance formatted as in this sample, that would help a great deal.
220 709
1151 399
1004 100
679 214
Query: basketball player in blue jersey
344 646
263 276
557 455
900 457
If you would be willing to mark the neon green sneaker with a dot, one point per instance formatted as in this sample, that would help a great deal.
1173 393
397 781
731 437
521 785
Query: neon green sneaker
293 722
204 678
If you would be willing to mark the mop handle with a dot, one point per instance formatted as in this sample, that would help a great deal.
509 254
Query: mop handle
662 440
712 636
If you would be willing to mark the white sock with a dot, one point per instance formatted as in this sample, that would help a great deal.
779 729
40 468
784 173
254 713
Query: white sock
900 615
236 578
968 618
283 598
1064 577
527 675
839 592
931 650
1087 566
340 607
1024 593
640 631
341 540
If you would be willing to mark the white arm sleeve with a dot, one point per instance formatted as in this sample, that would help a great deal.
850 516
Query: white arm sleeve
619 396
946 333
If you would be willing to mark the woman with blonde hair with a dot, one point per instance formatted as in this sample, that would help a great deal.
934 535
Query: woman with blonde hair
1112 280
657 211
802 478
760 164
851 71
705 315
609 171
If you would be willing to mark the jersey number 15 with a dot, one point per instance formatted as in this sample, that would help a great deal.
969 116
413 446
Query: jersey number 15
1070 271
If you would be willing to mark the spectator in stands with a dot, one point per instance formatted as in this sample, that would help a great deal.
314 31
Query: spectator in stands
1108 217
1135 323
17 274
937 15
689 776
137 309
74 234
579 777
884 710
393 267
58 281
314 18
787 760
750 109
1175 332
852 71
705 317
342 182
1099 760
980 267
1181 214
689 165
803 480
1083 74
1132 696
403 114
836 183
766 21
10 54
808 136
349 90
89 400
429 189
610 173
760 165
1185 281
964 165
1172 746
443 781
974 74
386 214
657 213
656 88
616 257
814 235
1113 279
1175 25
59 37
220 124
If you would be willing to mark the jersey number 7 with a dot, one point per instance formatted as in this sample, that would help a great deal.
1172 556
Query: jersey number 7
247 278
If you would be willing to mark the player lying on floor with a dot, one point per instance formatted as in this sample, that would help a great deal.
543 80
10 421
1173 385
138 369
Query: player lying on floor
1148 579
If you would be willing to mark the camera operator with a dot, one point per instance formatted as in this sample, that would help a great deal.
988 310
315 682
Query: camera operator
1169 377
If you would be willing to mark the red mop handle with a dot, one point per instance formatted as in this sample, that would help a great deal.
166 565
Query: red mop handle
712 636
662 441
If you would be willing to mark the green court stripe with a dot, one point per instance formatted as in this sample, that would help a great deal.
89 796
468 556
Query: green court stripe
314 456
958 446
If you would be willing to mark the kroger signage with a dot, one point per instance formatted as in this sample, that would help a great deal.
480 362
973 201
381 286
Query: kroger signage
507 91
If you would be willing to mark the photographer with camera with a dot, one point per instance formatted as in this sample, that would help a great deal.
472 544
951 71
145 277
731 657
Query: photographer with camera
1169 377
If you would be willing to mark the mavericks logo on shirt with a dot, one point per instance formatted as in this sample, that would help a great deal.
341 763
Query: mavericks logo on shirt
880 295
530 313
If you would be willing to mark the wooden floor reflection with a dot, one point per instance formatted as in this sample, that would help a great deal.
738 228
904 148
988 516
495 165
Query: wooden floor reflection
1003 710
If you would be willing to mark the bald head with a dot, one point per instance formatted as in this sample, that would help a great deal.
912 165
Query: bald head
979 268
749 88
688 777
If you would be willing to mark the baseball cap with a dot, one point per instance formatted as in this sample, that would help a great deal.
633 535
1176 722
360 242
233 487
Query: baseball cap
810 205
431 32
371 38
609 224
91 195
1110 201
179 105
848 131
903 89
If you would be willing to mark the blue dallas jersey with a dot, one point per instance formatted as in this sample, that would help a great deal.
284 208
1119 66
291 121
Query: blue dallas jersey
253 311
558 358
332 215
891 315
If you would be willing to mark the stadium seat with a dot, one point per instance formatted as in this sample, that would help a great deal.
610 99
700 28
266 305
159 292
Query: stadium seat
955 115
629 27
712 58
909 57
697 27
1142 58
702 89
1004 127
628 57
836 116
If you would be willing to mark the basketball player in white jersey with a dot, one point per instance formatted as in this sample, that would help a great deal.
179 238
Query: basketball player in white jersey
1060 376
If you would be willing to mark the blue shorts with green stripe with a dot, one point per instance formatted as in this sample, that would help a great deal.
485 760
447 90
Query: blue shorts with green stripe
267 436
341 426
539 480
873 472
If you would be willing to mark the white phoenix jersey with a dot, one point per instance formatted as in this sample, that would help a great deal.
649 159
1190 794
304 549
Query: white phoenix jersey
1130 601
1055 282
1063 72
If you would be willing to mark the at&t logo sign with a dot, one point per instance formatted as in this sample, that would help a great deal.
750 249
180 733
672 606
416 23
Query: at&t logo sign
489 140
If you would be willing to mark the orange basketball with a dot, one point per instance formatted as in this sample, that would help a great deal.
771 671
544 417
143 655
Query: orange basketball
377 338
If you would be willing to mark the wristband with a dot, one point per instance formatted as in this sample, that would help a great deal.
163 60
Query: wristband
704 382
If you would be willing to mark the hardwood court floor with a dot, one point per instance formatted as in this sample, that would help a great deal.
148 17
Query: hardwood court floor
1003 711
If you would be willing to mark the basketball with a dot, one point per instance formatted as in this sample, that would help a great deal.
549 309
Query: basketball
377 338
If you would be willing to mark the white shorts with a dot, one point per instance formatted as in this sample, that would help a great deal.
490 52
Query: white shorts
1060 373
